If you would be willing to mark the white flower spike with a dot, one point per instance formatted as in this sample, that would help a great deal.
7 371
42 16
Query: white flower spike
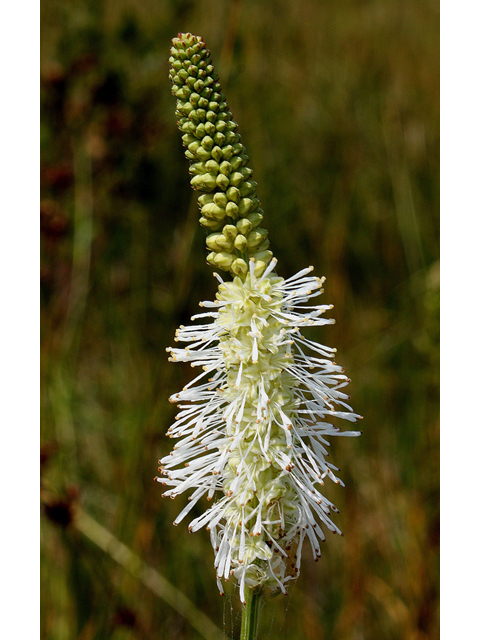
253 425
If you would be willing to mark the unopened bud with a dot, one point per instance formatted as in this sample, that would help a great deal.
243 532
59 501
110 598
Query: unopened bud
218 242
255 219
205 198
204 182
232 210
220 199
227 152
222 181
239 267
217 154
203 154
233 194
213 212
226 168
208 143
197 168
212 167
240 243
236 179
244 206
208 223
224 260
248 187
244 226
255 238
265 256
230 231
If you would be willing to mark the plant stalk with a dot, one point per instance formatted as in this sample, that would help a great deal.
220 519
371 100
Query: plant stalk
250 614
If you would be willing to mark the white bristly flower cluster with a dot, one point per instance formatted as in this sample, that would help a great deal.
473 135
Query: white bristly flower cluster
252 426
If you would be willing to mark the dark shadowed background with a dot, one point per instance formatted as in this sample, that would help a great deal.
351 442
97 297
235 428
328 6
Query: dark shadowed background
338 106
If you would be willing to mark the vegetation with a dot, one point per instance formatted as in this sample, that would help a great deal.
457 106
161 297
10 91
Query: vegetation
338 108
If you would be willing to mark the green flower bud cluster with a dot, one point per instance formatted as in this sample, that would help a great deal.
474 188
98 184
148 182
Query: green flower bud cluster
229 206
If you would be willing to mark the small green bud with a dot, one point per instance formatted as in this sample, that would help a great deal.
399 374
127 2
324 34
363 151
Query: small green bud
240 243
193 146
188 139
209 224
200 130
213 211
226 168
264 256
232 210
205 198
223 260
236 179
248 187
230 231
194 98
204 182
211 116
188 127
211 258
244 226
183 93
210 129
184 108
265 244
219 138
260 267
197 168
222 181
207 143
239 267
218 242
202 153
212 167
220 125
244 206
233 194
255 219
236 163
255 238
217 154
220 199
227 151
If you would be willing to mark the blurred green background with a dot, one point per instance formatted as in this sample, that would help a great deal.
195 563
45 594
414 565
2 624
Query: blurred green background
338 106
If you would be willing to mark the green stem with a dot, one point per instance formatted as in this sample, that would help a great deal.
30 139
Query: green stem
250 614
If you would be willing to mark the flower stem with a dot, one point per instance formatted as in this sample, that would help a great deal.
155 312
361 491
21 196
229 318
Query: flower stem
250 614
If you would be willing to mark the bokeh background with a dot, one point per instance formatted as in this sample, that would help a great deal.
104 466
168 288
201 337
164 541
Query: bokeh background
338 106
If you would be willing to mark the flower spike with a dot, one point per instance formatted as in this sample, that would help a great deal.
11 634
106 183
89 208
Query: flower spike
252 426
229 205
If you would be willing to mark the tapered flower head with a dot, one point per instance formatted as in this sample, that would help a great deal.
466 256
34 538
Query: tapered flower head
252 427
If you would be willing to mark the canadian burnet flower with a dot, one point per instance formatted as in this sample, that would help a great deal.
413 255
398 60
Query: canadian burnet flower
252 426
